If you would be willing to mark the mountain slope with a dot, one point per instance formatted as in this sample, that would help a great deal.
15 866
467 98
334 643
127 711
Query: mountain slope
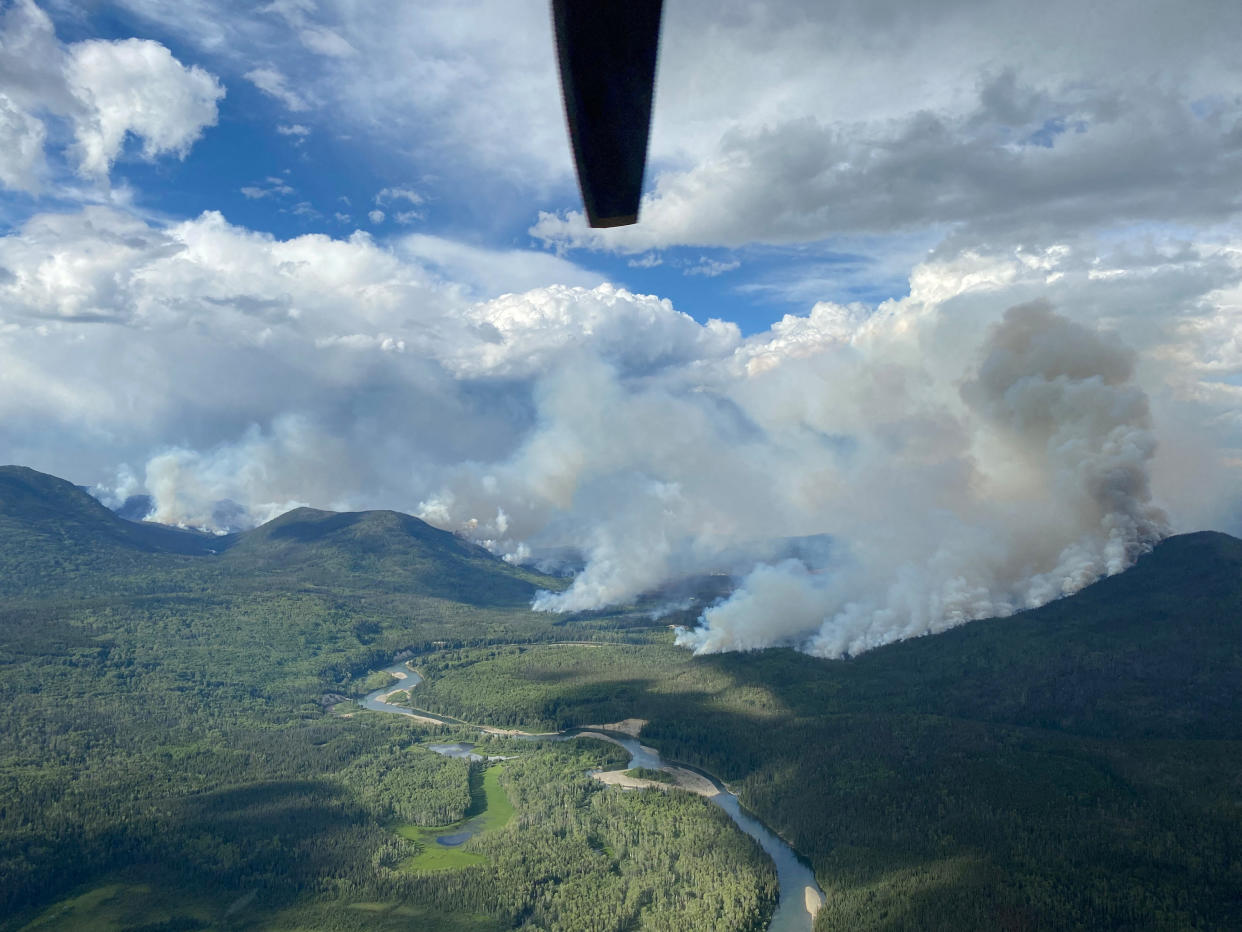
1073 766
52 535
166 714
386 549
36 504
1155 651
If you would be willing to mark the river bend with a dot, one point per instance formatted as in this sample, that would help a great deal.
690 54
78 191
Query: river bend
800 895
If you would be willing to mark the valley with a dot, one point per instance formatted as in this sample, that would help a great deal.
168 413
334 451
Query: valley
175 720
799 896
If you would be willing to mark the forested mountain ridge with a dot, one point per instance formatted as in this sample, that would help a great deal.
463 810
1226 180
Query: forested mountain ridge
1072 766
342 547
51 530
48 525
167 717
172 758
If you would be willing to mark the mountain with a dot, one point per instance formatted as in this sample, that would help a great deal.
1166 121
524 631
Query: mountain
36 507
1072 766
386 549
165 697
52 533
164 700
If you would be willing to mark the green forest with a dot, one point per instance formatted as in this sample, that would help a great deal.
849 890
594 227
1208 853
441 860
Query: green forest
176 754
180 753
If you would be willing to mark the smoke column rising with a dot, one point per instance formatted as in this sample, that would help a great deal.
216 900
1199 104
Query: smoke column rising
1057 495
963 461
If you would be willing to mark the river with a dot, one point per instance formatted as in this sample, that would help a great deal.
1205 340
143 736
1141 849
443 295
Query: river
800 895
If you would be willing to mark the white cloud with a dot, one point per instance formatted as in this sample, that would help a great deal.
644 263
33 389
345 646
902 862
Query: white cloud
710 268
1110 156
963 461
296 130
105 90
136 86
793 121
480 273
21 147
523 400
269 187
646 261
273 83
521 335
389 195
32 61
326 42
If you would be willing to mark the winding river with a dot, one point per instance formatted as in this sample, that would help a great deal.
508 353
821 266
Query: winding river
800 895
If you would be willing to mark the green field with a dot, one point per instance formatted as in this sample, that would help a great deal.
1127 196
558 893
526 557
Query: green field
490 805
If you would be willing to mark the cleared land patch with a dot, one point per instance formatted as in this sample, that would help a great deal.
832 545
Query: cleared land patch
490 809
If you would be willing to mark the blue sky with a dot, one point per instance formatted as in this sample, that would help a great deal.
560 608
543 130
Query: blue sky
958 285
305 173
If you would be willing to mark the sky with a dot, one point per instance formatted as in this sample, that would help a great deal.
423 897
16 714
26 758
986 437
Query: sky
932 312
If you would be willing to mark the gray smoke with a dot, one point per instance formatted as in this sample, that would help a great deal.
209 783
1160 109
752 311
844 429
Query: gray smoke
1051 492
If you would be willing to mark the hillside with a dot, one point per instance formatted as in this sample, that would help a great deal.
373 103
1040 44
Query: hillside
166 708
51 531
385 549
55 536
1074 766
168 716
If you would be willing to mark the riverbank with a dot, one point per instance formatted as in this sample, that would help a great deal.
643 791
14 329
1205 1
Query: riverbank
800 895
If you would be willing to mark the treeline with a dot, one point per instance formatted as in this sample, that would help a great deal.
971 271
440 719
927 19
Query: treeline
582 856
170 732
1073 767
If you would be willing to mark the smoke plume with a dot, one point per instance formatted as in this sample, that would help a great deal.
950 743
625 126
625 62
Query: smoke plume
1050 492
866 473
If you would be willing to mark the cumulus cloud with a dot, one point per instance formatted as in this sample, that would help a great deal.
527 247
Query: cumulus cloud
136 86
521 334
481 273
105 90
968 450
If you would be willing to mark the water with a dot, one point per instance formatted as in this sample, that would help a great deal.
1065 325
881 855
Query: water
409 679
798 888
794 876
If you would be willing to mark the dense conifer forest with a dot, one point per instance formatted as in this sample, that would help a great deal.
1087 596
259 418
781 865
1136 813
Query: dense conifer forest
176 756
177 753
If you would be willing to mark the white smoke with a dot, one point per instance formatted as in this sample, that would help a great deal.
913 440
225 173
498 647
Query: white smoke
963 461
1050 492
